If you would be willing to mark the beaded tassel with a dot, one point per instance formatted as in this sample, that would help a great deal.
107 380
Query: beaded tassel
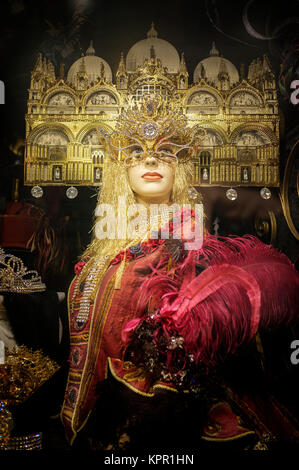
87 298
119 274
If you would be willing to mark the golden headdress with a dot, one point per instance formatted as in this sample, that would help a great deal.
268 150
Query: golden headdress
159 127
155 124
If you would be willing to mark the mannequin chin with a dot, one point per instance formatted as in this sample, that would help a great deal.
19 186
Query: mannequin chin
151 181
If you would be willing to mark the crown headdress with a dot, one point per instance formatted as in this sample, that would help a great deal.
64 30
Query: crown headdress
14 276
152 121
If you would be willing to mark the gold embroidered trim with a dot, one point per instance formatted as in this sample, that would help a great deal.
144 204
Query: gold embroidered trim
131 387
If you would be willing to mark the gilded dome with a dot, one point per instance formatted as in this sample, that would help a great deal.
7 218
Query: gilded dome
153 47
214 65
94 66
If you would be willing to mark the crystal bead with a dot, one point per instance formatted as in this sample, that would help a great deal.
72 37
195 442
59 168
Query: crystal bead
172 343
231 194
150 130
136 249
265 193
192 193
72 192
37 191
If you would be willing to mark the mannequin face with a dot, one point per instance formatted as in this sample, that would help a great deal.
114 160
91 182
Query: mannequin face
151 179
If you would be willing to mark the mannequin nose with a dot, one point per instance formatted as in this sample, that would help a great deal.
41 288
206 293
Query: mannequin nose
150 161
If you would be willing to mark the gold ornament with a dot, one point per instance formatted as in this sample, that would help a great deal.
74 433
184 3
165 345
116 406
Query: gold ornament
21 374
14 276
155 126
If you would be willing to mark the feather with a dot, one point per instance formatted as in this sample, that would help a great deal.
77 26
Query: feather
247 285
218 311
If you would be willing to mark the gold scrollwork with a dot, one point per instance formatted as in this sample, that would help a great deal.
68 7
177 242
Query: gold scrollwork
265 227
262 227
273 227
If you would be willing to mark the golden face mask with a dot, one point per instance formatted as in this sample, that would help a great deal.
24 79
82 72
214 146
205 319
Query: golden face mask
151 127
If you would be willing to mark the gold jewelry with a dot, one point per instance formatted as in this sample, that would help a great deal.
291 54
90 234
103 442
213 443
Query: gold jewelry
14 276
25 442
151 224
155 125
21 374
91 279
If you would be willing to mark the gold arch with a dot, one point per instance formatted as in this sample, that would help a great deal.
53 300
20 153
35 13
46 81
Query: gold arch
101 88
256 127
248 89
206 88
92 125
47 127
212 127
56 90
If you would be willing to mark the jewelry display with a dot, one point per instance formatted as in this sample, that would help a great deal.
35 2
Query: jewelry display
22 372
14 276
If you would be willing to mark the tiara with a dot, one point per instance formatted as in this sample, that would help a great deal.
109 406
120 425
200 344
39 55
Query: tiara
14 276
153 121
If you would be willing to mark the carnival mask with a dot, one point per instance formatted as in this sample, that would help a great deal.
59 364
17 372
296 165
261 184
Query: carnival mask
151 127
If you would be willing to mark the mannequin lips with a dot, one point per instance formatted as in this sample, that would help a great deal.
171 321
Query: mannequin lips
152 176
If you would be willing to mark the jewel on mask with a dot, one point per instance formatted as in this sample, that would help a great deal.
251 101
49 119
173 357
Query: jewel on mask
149 130
153 119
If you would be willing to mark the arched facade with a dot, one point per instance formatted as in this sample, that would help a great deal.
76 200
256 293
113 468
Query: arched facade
239 116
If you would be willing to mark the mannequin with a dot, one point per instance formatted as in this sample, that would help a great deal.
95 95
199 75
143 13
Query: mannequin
153 323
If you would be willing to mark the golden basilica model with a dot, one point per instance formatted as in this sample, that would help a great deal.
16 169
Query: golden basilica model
238 111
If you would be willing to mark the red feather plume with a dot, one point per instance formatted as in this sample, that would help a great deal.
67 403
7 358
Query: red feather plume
247 285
